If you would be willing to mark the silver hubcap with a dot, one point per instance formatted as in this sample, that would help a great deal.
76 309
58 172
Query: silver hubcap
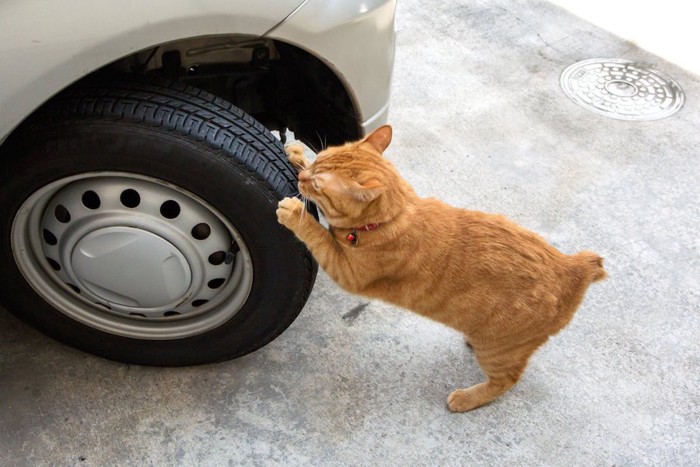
132 256
157 265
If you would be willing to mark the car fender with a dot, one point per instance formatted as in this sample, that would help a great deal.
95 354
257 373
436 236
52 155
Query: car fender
353 38
45 45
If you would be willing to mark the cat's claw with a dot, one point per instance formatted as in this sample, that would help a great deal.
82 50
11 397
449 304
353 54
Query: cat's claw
289 212
295 154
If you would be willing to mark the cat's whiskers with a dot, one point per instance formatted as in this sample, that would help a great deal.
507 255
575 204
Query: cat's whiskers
323 140
306 202
313 147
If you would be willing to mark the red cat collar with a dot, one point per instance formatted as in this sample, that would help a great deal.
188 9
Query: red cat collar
352 236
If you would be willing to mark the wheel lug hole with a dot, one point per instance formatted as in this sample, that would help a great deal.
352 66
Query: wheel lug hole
130 198
61 213
170 209
215 283
54 264
49 237
201 231
91 200
199 302
217 258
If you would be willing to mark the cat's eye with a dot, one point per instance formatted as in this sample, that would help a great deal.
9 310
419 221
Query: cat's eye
315 184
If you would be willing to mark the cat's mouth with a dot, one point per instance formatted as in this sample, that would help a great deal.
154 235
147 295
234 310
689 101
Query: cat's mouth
305 192
306 195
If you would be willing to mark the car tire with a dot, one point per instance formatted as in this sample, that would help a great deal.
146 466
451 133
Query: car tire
138 224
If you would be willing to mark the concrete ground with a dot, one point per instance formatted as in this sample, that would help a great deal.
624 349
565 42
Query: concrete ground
480 121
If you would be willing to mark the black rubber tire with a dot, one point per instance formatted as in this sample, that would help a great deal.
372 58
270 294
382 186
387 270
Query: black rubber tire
186 137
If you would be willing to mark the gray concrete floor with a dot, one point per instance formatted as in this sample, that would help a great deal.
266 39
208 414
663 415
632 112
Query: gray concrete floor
480 122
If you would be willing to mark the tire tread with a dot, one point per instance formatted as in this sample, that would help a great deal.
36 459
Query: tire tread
189 112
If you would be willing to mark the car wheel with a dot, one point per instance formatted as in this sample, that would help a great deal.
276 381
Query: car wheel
138 224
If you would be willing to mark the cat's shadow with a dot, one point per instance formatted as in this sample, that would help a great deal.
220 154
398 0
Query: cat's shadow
376 352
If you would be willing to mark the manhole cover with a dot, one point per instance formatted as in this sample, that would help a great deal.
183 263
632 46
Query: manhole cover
622 89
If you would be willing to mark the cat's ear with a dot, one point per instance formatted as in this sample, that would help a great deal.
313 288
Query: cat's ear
367 192
380 138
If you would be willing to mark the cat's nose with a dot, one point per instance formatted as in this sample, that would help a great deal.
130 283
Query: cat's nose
304 176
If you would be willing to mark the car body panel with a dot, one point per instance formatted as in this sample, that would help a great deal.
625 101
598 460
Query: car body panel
353 37
43 52
43 48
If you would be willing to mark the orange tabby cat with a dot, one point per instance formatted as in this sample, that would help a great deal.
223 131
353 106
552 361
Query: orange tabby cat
504 287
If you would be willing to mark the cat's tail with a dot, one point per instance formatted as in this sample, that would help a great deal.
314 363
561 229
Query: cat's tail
592 264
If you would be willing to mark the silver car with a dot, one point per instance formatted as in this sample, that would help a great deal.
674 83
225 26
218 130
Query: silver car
139 174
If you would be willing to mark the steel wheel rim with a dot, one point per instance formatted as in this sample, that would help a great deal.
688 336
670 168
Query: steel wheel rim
132 255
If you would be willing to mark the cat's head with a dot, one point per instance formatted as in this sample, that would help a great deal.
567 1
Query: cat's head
355 184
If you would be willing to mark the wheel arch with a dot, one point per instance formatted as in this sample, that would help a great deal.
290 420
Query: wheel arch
287 87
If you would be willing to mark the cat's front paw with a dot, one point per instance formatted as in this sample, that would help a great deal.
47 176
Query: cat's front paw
295 154
290 212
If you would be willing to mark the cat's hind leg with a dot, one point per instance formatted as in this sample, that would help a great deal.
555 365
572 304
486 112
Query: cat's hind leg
503 371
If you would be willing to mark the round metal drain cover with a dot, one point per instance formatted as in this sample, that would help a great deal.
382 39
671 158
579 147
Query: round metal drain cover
622 89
